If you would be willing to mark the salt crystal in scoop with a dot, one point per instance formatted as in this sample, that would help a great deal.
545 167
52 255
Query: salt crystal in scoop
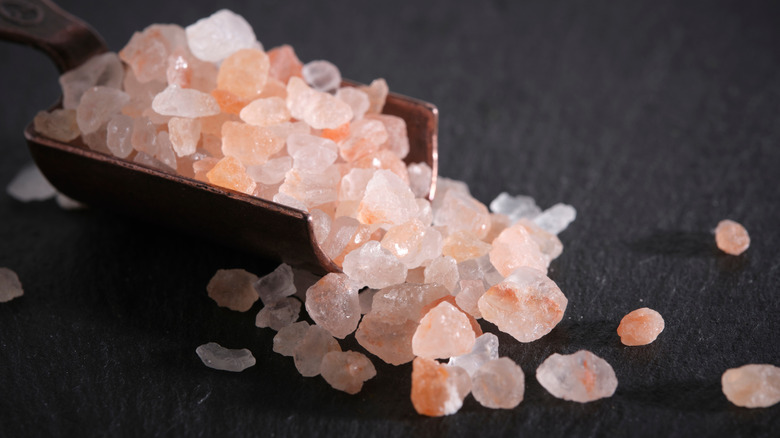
218 357
216 37
101 70
97 106
10 286
582 377
752 386
373 266
59 124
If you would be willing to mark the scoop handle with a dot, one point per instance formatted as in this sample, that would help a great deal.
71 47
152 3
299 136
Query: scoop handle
68 41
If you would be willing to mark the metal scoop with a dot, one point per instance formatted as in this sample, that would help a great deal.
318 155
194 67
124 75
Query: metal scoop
246 222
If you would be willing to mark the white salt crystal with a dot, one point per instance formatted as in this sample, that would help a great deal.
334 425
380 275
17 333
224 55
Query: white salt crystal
314 158
516 207
102 70
184 102
373 266
388 200
279 314
420 179
556 218
285 199
333 304
581 377
271 172
356 99
119 131
297 141
485 349
10 286
97 106
216 37
321 223
218 357
322 76
276 285
30 185
67 203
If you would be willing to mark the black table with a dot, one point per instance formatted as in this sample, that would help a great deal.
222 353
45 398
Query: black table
654 119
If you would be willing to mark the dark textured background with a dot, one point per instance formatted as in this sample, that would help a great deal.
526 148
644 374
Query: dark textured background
654 119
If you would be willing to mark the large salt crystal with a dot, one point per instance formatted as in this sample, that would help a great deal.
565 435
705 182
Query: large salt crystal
231 174
387 200
463 245
459 211
218 357
516 247
141 94
377 94
468 294
184 102
265 112
59 124
353 184
333 304
444 271
373 266
319 110
582 377
752 386
515 207
387 336
312 189
407 300
731 237
184 134
284 63
347 370
101 70
10 286
97 106
342 230
314 158
438 389
147 52
356 99
364 138
444 185
413 243
443 332
556 218
119 132
485 349
218 36
499 384
244 73
526 305
640 327
233 288
30 185
288 337
322 75
312 348
253 145
397 137
420 175
279 314
276 286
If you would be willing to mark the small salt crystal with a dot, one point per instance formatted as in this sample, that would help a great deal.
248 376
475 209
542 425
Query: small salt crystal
59 124
515 207
322 76
289 201
420 179
265 112
640 327
438 389
101 70
252 145
413 243
312 348
148 51
581 377
444 185
752 386
271 172
289 337
333 304
373 266
118 136
311 189
284 63
377 94
397 137
443 332
233 288
731 237
184 102
165 152
218 357
231 174
444 271
184 134
556 218
67 203
499 384
407 300
485 349
314 158
365 138
216 37
10 286
97 106
279 314
276 285
516 247
356 99
347 370
30 185
468 294
463 245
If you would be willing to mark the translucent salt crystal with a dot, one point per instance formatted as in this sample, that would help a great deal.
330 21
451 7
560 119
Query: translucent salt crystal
284 63
301 98
408 301
119 132
485 349
356 99
322 76
265 112
101 70
228 102
420 179
731 237
312 189
67 203
231 174
548 243
337 134
10 286
147 51
279 314
30 185
444 185
515 207
141 94
353 184
475 327
59 124
498 223
97 106
373 266
288 337
365 298
443 332
341 232
479 269
276 286
147 160
640 327
384 159
387 200
184 102
202 167
284 199
397 137
298 141
424 211
377 94
347 370
218 357
216 37
444 271
389 337
499 384
333 304
314 158
463 245
364 138
321 223
271 172
144 136
312 348
319 110
233 288
468 294
752 386
252 145
459 211
516 247
582 377
184 134
556 218
244 73
438 389
165 152
413 243
526 305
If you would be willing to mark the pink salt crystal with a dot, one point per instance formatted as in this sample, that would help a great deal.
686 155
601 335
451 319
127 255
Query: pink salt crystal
459 211
468 294
319 110
252 145
475 327
389 337
313 159
10 286
97 106
407 301
297 141
141 94
218 36
230 173
463 245
312 348
276 286
284 199
365 137
640 327
515 247
97 140
438 389
337 134
387 200
347 370
184 102
443 332
212 125
752 386
420 176
244 73
184 135
165 150
377 94
265 112
101 70
289 337
353 184
342 231
300 98
333 304
397 137
498 223
202 167
147 52
265 191
373 266
155 117
384 159
229 102
284 63
731 237
320 224
279 314
29 184
581 377
444 271
499 384
59 124
356 99
322 75
147 160
271 172
548 242
312 189
526 305
119 131
233 288
274 88
413 243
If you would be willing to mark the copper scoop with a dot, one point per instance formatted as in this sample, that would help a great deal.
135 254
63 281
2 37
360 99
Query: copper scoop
246 222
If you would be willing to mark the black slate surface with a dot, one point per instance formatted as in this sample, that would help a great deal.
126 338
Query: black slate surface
654 119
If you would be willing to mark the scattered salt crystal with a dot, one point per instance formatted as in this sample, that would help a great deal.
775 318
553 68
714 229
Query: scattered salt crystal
356 99
10 286
59 124
580 377
279 314
118 135
67 203
444 271
216 37
322 76
30 185
407 300
312 348
347 370
276 285
443 332
516 247
438 389
515 207
731 237
556 218
485 349
101 70
97 106
288 337
233 288
752 386
499 384
184 102
640 327
373 266
218 357
333 304
463 245
420 179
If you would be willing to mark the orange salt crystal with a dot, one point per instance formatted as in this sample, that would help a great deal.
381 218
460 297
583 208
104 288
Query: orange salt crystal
244 73
731 237
229 173
384 159
252 145
338 134
640 327
274 88
229 102
451 299
212 125
464 245
284 63
438 389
